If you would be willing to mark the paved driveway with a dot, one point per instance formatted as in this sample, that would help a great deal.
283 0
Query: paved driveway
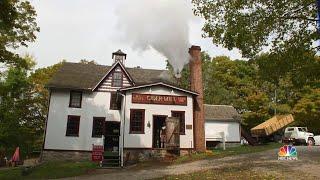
307 167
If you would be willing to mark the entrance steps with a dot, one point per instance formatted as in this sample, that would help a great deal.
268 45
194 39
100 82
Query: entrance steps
111 160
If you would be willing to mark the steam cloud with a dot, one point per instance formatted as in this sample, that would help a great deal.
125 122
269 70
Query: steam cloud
160 24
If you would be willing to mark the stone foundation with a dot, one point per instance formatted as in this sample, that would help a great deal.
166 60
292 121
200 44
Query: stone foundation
140 155
130 155
61 155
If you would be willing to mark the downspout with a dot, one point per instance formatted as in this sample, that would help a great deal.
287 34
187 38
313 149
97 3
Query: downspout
123 125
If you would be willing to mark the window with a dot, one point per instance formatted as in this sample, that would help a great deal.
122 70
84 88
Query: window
117 79
290 129
75 99
181 116
137 121
73 126
115 101
98 126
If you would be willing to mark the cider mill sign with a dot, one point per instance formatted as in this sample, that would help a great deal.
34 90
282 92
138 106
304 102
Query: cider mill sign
159 99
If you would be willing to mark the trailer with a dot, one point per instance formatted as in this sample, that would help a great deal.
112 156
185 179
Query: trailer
271 126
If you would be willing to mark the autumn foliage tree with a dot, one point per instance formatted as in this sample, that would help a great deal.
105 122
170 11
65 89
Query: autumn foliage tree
17 27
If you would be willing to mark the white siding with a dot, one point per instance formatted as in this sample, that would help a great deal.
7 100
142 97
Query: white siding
231 129
93 104
106 84
145 140
97 104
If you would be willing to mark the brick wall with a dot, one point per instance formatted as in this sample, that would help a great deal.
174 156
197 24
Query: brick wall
197 86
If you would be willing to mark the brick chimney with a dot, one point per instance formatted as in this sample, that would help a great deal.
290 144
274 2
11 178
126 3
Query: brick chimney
197 86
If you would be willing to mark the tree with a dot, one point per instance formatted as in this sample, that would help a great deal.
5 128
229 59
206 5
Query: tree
23 106
254 24
307 110
17 27
15 114
40 95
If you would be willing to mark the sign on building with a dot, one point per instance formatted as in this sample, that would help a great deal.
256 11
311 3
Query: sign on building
159 99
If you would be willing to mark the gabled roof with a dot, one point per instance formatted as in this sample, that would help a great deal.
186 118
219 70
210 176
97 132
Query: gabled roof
110 70
221 113
159 84
86 76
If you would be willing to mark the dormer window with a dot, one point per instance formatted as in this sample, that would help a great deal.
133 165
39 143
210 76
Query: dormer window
117 79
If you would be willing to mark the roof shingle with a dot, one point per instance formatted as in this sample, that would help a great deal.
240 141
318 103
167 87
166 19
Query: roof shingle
220 113
86 76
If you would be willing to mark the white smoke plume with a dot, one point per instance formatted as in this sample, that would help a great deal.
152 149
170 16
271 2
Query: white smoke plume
160 24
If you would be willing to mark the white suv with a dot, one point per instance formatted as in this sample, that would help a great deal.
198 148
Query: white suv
298 135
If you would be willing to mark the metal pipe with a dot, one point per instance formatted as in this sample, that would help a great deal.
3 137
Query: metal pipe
123 125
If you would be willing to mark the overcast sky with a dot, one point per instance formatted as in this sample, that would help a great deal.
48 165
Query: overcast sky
83 29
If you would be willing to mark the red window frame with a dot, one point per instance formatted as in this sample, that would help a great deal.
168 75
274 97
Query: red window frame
132 121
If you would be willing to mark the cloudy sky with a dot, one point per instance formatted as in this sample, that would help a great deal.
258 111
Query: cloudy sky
83 29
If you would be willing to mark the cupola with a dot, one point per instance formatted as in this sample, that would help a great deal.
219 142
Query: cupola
119 56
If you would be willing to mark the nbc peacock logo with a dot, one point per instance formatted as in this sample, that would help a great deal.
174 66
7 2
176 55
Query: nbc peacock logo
287 152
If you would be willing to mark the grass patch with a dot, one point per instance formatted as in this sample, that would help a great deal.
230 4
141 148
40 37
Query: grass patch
225 173
218 153
49 170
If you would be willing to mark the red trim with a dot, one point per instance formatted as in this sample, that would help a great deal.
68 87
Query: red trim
70 117
138 98
184 119
143 121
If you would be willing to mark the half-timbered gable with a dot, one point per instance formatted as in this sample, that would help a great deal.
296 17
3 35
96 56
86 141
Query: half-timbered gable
116 78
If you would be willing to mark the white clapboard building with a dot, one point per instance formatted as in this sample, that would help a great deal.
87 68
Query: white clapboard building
122 109
222 124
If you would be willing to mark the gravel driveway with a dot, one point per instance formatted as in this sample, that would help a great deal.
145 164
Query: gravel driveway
306 167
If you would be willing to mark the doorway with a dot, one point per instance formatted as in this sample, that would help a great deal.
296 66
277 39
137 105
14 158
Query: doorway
159 123
112 134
